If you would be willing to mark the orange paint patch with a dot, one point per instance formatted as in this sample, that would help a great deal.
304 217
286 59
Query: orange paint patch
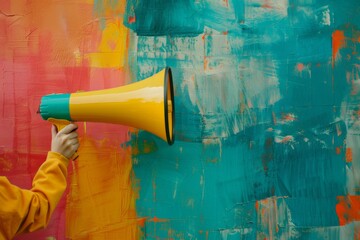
348 209
156 219
288 117
300 67
287 139
338 42
132 19
338 150
141 222
101 199
60 24
349 155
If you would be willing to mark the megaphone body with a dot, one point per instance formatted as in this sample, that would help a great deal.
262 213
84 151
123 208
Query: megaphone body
146 105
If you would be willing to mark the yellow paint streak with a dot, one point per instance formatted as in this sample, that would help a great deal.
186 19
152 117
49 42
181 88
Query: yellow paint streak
101 200
112 47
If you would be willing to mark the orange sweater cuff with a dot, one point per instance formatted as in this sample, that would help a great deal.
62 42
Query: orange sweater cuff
60 157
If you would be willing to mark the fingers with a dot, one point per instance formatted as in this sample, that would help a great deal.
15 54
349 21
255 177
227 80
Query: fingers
65 141
68 129
70 146
73 142
72 135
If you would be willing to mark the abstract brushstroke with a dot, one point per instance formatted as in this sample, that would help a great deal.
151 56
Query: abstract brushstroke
54 47
101 197
267 116
262 139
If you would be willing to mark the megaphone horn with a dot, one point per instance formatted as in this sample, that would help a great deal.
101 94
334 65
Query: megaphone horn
146 105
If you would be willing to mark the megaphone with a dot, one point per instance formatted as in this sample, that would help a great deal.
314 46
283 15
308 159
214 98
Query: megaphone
147 105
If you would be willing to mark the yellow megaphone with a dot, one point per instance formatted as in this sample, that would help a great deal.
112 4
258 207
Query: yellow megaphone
146 105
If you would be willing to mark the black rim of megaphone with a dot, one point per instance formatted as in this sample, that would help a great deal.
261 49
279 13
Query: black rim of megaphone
168 80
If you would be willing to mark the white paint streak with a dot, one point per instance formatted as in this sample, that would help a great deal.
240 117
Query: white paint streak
351 115
175 189
326 17
230 233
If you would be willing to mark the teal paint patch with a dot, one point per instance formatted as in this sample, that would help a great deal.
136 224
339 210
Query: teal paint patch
194 184
171 17
262 124
55 106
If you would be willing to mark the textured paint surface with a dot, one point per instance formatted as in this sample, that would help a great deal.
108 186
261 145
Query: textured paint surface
67 46
267 116
267 122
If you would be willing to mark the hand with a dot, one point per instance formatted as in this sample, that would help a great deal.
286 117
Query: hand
65 141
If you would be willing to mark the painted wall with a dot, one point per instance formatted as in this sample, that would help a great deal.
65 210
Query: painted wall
267 116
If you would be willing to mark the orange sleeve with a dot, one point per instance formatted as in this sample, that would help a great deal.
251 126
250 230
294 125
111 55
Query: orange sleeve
28 210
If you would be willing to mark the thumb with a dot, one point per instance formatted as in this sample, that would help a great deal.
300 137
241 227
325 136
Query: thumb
53 131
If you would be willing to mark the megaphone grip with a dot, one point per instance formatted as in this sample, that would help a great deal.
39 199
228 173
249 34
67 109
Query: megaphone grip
60 124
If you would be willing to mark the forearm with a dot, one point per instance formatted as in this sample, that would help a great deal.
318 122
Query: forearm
48 186
29 210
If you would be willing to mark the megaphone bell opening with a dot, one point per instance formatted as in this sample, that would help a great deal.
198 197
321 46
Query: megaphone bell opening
169 106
